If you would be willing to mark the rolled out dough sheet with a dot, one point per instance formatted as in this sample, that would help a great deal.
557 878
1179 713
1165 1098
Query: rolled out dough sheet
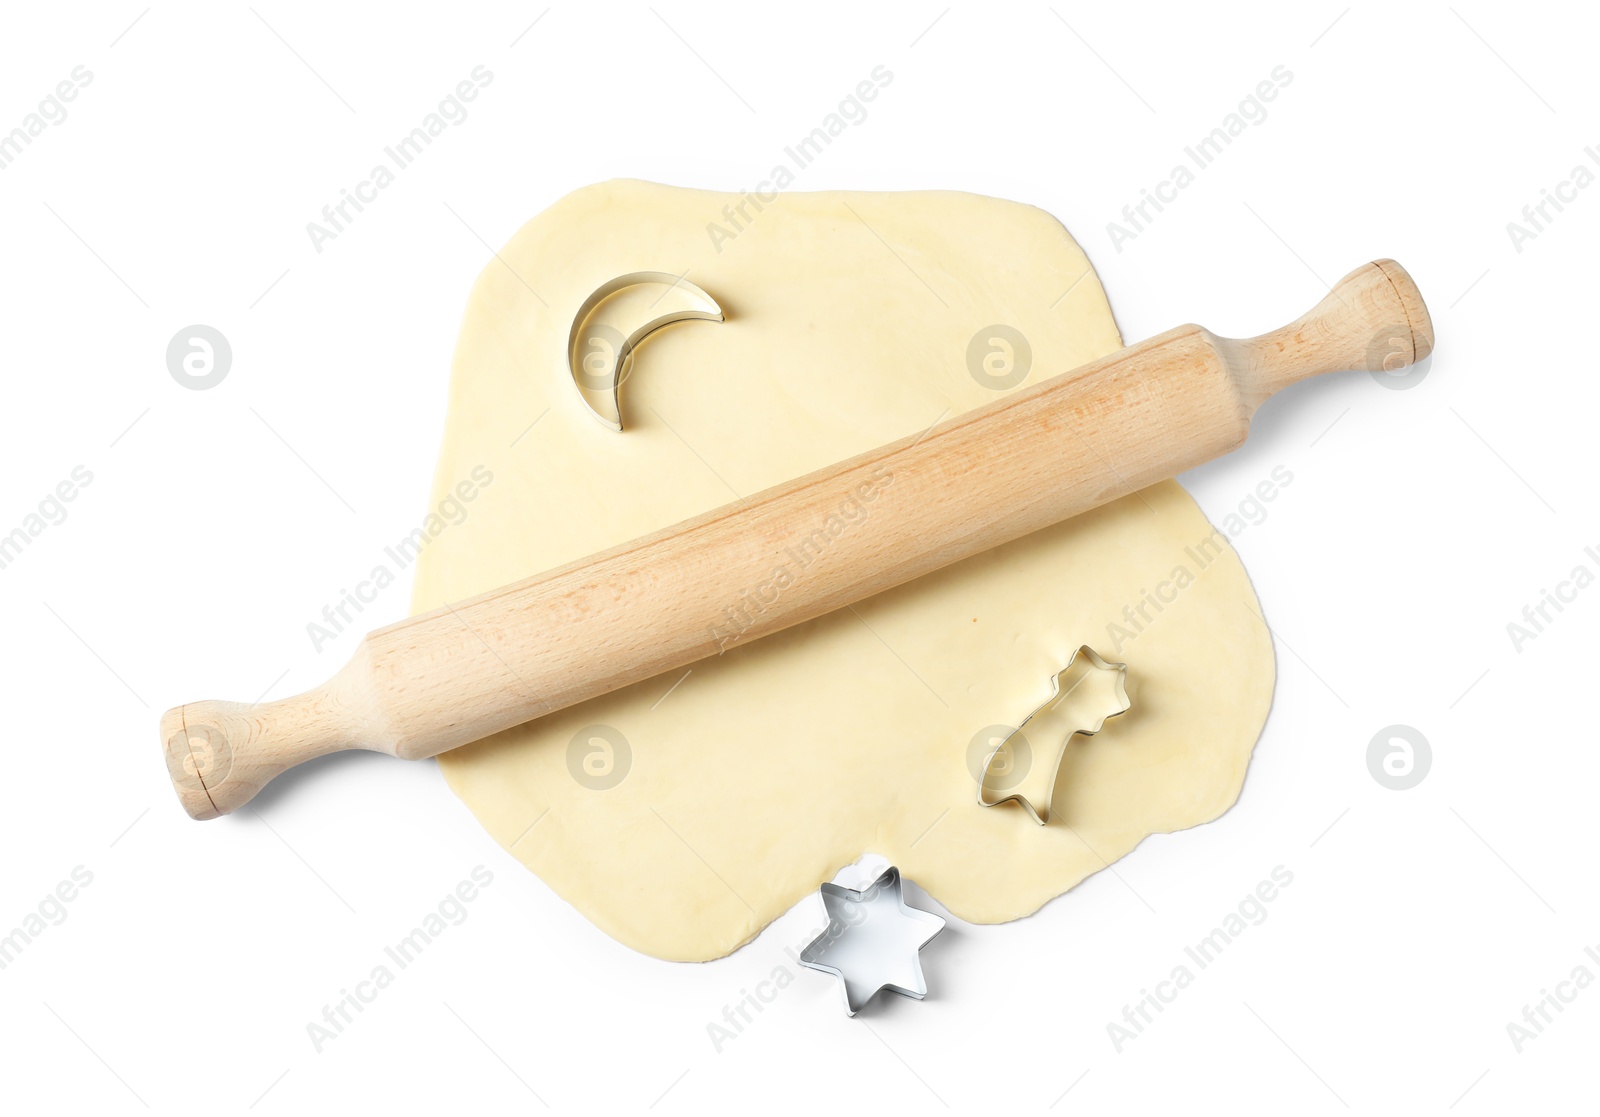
683 814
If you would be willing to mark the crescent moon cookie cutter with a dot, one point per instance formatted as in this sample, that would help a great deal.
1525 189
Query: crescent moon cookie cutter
873 941
1083 694
612 322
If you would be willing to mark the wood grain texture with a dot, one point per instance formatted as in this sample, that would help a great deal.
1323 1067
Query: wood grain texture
1078 440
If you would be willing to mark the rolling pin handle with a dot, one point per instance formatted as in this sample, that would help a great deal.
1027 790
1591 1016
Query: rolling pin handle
220 754
1372 319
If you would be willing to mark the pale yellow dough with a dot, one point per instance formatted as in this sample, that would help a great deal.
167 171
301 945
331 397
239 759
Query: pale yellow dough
765 770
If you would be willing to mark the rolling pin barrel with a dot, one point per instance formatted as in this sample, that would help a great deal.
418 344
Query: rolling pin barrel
721 580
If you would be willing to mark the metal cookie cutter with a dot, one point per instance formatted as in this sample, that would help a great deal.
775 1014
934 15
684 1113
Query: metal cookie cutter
1084 693
611 323
873 941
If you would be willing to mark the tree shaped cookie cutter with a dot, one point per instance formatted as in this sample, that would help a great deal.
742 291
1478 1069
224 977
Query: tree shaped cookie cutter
1084 693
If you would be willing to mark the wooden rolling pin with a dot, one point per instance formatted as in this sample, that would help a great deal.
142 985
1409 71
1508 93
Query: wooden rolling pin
983 478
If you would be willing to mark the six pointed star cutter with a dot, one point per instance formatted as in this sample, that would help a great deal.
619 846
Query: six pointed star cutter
873 941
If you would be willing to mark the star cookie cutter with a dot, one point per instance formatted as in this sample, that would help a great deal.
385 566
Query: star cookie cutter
873 941
1084 693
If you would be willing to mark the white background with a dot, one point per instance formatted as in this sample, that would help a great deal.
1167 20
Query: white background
218 523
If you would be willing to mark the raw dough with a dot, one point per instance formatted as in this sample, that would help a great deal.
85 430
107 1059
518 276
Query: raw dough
753 779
